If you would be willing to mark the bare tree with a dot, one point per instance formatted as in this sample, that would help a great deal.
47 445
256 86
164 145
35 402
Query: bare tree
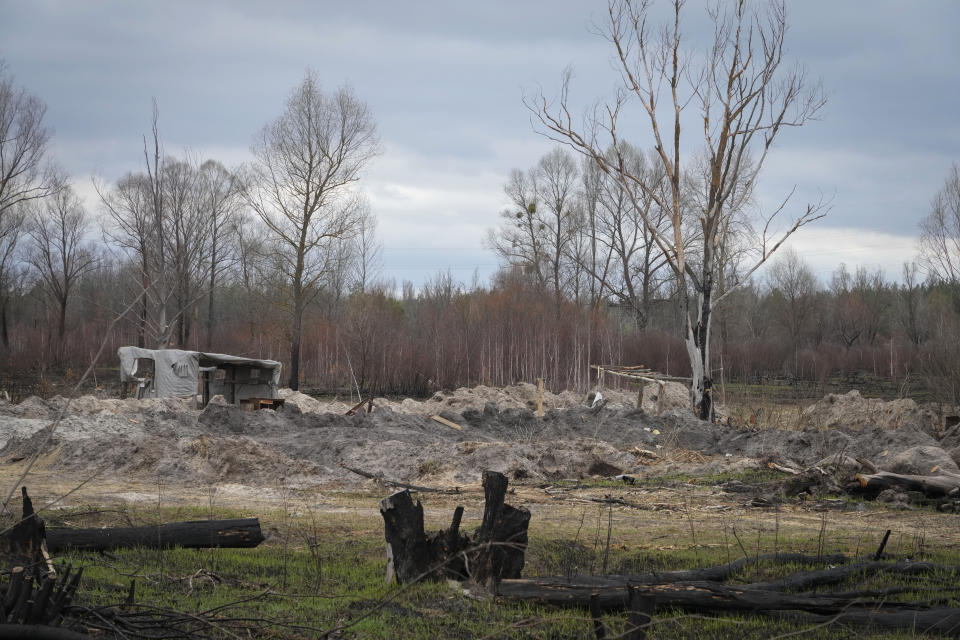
912 316
23 146
849 313
557 186
940 232
519 240
367 249
793 286
635 274
305 165
128 225
219 200
743 96
540 226
58 250
178 218
187 224
11 227
24 175
872 291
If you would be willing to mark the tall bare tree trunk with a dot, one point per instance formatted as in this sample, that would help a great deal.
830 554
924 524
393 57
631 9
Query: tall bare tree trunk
4 333
210 295
61 317
142 324
296 330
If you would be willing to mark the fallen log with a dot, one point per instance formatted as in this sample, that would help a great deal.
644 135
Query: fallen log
236 533
932 486
39 632
696 596
939 620
809 579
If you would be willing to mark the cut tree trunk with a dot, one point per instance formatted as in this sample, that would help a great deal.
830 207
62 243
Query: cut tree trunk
237 533
495 552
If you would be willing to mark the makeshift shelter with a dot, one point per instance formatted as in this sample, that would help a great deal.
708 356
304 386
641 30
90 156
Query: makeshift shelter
159 373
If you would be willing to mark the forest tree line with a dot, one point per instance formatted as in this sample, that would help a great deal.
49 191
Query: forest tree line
610 253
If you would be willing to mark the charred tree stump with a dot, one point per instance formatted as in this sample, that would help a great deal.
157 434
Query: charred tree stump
23 544
408 555
502 536
198 534
26 602
495 552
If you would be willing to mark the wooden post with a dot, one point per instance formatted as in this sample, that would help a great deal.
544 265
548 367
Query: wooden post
539 397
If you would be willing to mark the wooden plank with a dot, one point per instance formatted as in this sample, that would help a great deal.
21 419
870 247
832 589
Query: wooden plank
540 397
444 421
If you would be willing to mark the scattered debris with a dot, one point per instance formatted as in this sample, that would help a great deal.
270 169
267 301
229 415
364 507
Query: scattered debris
449 423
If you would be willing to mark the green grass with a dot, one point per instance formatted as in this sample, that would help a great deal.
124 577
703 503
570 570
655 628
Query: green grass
746 476
320 571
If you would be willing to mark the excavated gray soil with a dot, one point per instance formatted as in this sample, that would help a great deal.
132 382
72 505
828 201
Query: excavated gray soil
308 442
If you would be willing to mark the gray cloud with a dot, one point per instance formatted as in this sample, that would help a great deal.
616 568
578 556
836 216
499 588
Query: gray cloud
445 81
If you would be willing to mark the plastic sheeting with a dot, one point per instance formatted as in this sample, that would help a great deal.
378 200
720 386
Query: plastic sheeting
176 372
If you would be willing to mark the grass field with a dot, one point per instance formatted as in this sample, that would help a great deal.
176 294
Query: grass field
321 569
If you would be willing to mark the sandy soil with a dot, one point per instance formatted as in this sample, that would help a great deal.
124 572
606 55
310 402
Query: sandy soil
307 444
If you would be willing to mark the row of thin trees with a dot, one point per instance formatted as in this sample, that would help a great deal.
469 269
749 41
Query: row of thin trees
610 253
389 339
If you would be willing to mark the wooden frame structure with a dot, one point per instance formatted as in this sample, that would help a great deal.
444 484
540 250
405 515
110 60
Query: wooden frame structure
638 373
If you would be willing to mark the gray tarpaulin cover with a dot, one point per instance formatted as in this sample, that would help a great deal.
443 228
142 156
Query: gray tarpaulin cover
176 372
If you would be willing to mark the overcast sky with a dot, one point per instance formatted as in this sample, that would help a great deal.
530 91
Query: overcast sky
445 81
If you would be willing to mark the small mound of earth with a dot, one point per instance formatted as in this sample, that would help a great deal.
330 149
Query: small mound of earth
921 461
31 407
674 396
518 396
20 447
303 403
203 459
852 411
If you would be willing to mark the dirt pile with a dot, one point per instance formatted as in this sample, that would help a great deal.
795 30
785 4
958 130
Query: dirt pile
673 395
307 404
519 396
308 442
852 411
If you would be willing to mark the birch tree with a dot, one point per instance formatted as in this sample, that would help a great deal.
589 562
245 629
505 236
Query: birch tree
306 164
736 97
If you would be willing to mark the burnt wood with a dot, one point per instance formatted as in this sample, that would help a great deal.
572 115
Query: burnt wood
196 534
495 551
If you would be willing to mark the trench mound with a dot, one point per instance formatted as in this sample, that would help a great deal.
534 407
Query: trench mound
310 443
